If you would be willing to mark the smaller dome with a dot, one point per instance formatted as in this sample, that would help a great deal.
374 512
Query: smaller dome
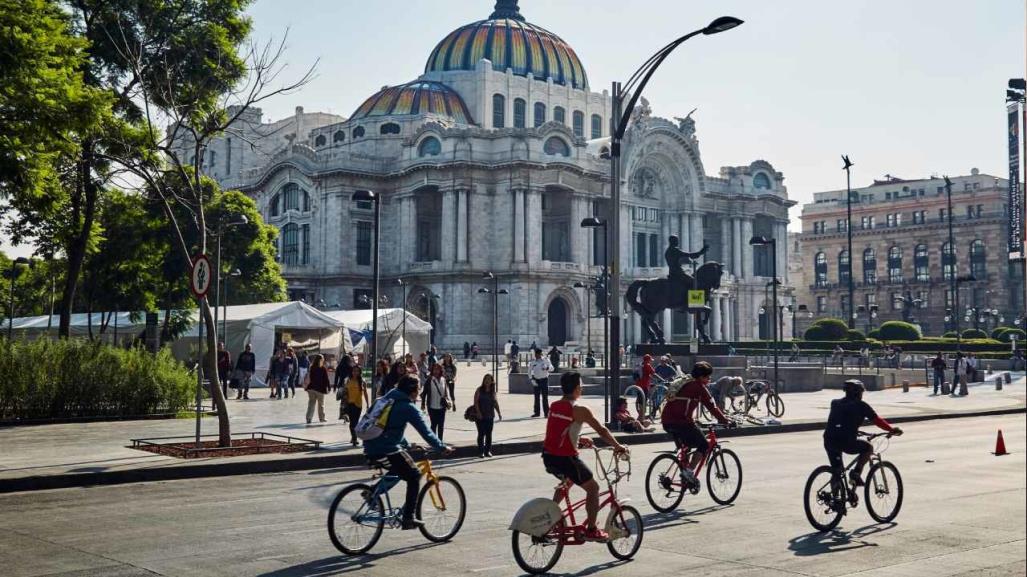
415 98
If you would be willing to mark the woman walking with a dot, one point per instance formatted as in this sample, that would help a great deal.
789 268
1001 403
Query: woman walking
433 397
316 385
381 370
449 371
354 397
409 364
392 379
486 408
272 373
292 371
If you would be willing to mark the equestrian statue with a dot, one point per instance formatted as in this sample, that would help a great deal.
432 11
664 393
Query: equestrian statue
650 297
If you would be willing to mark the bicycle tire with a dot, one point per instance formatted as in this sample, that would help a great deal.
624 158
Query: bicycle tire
719 462
515 543
806 502
876 478
458 491
627 511
704 414
666 473
377 530
775 404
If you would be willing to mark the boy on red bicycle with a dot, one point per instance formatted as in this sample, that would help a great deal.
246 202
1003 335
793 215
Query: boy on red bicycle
678 417
560 448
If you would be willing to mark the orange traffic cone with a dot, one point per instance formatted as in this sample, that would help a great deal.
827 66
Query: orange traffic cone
1000 445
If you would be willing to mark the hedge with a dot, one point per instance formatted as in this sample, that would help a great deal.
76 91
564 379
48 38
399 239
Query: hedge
854 335
974 334
1006 335
55 379
899 331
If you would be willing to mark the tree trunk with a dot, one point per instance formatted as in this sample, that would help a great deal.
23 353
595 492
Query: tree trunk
84 205
224 427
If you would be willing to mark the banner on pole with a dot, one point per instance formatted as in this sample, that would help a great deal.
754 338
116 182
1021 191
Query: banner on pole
696 299
1015 198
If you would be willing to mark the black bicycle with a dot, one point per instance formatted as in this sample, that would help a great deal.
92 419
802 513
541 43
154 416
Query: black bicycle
829 493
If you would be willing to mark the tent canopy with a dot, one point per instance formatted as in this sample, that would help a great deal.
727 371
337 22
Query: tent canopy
416 335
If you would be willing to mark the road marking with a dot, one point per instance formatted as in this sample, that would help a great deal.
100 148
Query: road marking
489 568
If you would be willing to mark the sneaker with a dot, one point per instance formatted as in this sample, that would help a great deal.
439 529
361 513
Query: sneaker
688 476
488 453
596 534
409 524
855 479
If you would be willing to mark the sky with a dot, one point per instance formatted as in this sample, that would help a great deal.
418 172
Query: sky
908 88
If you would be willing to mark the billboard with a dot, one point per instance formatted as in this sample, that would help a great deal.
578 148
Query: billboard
1015 199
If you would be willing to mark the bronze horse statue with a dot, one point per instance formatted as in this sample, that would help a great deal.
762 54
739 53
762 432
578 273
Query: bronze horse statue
649 297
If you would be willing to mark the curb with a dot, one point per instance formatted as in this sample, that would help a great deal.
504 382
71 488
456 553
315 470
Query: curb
312 462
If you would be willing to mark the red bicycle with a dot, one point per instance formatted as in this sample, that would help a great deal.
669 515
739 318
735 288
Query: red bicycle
665 483
541 529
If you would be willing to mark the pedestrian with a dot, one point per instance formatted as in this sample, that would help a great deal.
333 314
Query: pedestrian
224 368
795 353
515 358
409 364
626 422
972 364
381 371
971 372
533 347
554 357
272 373
316 384
939 367
302 366
423 368
539 370
246 364
506 350
486 409
467 350
343 370
293 370
449 371
433 397
354 399
723 388
433 355
959 373
475 349
396 373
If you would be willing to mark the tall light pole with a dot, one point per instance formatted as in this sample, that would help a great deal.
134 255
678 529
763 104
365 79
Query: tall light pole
370 196
219 231
1017 93
224 318
951 256
593 223
403 308
17 265
495 291
619 123
772 243
848 230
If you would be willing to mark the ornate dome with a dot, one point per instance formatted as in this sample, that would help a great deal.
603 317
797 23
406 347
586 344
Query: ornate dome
413 98
509 42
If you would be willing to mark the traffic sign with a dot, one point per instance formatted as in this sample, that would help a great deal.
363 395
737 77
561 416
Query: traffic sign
199 281
696 299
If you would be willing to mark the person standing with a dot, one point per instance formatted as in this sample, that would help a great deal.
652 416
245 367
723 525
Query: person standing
423 368
354 398
342 371
292 370
316 384
539 370
433 397
396 373
449 371
515 361
272 373
247 365
506 350
433 355
939 367
302 366
486 409
959 374
475 350
554 357
409 364
467 350
224 368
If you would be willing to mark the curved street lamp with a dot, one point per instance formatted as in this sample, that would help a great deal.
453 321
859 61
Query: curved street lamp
371 196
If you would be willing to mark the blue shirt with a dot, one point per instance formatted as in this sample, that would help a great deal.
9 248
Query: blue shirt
404 412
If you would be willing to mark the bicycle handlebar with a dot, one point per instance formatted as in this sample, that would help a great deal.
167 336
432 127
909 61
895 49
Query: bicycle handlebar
872 436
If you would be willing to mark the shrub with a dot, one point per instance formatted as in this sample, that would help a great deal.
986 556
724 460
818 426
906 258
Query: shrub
1006 335
899 331
854 335
834 329
949 335
997 331
814 333
974 334
874 334
48 379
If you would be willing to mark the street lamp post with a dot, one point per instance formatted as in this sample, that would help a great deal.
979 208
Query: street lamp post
403 309
224 318
956 281
14 272
219 232
619 124
594 223
772 243
848 230
370 196
1017 92
495 291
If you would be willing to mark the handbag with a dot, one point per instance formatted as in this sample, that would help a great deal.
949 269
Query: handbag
471 414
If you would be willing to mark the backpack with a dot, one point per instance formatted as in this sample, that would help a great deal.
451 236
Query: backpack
372 424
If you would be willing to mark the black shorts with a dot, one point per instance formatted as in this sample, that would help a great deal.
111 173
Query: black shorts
572 468
851 446
689 436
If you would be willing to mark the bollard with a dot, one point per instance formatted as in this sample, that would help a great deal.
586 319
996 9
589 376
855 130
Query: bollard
892 379
998 383
1008 378
945 388
905 386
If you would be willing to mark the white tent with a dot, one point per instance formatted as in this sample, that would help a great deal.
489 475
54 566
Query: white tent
396 338
122 323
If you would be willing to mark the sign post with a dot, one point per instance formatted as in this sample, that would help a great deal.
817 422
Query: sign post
199 284
1014 201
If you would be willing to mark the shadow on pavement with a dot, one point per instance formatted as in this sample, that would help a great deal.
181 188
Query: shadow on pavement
817 543
341 565
591 570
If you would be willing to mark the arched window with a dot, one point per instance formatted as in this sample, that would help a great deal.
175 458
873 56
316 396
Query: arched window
290 244
844 267
948 261
895 264
921 263
579 123
540 115
978 260
498 111
429 147
597 126
869 266
306 201
339 136
273 206
389 128
358 132
820 268
320 140
556 147
291 196
560 115
761 181
520 112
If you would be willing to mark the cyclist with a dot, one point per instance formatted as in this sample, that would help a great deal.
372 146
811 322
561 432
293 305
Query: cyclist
560 448
844 420
678 417
390 448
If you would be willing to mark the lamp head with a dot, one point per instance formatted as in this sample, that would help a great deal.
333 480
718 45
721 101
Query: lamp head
760 241
579 284
235 272
722 24
484 291
592 222
488 276
365 196
1018 83
848 163
502 292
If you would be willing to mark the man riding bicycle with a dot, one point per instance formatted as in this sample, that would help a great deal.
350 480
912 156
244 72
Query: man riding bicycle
843 422
389 448
560 448
678 417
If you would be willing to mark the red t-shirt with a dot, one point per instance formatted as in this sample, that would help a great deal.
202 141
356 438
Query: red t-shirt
680 410
559 440
647 375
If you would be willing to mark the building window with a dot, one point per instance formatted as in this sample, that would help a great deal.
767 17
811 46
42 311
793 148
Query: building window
841 225
919 216
948 261
290 244
867 223
429 147
942 214
291 196
520 113
339 136
306 201
358 132
895 264
869 266
560 115
273 206
921 263
924 298
820 269
389 128
579 123
320 140
305 248
821 304
540 114
869 299
819 227
556 147
654 250
597 126
843 300
761 181
640 249
363 243
892 220
948 299
362 298
498 111
844 267
896 301
978 260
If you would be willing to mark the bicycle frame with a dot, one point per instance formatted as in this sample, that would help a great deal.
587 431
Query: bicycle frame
571 533
386 481
712 443
851 495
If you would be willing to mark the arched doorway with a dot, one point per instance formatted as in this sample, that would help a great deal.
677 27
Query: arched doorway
557 318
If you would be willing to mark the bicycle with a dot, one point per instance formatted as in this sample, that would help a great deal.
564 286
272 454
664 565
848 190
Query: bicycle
360 511
665 484
754 392
829 493
541 528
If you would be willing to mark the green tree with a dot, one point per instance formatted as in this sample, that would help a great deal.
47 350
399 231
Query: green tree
899 331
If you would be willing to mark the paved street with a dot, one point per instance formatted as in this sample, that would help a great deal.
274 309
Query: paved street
964 514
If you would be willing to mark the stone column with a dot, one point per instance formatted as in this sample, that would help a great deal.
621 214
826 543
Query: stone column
725 243
637 334
449 226
782 251
579 250
461 225
533 226
668 330
747 271
518 224
409 204
729 329
684 227
736 247
696 233
715 327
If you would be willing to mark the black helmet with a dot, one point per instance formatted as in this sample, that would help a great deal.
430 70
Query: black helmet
854 388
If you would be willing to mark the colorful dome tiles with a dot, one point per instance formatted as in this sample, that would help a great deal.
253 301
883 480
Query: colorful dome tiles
414 98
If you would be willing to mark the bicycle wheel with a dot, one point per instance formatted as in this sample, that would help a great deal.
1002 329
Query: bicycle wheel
883 492
537 555
775 406
629 521
441 506
663 486
724 476
822 507
704 414
355 522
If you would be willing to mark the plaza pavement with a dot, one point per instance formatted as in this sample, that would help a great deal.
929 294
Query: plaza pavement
32 452
963 515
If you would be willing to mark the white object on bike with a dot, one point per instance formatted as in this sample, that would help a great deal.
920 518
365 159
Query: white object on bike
536 517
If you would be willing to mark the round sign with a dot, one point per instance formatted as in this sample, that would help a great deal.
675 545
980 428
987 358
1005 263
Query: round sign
199 281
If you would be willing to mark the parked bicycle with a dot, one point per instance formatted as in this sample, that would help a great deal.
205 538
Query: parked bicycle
829 493
541 528
361 511
746 401
665 484
649 405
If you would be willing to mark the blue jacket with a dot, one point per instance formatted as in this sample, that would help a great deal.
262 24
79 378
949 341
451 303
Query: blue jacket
404 412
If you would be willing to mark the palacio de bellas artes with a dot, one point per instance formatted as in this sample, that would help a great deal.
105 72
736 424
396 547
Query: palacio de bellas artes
488 162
